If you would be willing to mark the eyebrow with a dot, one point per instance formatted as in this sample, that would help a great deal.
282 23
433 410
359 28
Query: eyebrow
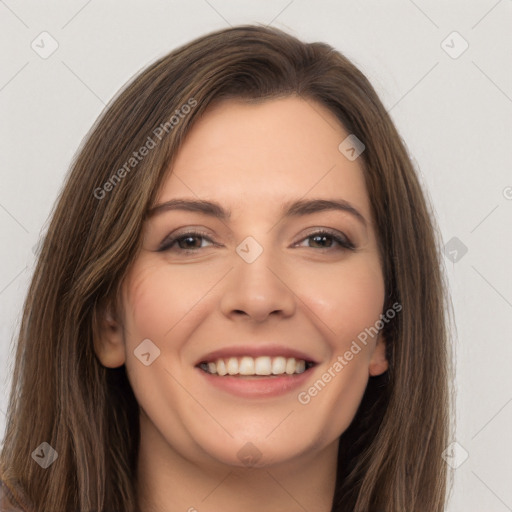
292 208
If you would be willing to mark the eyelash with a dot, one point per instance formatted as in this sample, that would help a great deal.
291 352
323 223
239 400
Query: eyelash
344 243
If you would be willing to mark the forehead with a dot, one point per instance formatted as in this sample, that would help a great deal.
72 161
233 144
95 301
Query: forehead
263 154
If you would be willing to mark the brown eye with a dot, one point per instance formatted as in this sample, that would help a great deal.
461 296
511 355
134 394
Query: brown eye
183 242
321 236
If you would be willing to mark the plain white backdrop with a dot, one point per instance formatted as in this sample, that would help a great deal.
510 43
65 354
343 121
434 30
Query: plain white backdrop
443 71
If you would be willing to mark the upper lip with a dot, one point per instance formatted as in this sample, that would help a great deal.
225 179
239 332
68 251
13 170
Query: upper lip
255 351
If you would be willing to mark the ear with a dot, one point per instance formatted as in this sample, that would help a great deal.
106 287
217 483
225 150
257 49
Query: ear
108 339
378 363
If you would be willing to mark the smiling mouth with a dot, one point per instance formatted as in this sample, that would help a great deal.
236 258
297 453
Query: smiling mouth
255 366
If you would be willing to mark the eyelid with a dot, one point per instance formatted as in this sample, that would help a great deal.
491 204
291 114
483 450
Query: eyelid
345 242
175 235
330 231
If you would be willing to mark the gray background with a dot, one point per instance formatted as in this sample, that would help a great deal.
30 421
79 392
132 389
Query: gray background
453 111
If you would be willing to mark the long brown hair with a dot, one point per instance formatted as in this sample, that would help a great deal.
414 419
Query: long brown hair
390 456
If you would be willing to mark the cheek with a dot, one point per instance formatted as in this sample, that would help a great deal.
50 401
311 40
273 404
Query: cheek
350 304
157 300
159 306
335 396
348 300
164 304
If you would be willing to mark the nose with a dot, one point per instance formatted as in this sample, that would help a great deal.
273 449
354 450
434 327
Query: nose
258 289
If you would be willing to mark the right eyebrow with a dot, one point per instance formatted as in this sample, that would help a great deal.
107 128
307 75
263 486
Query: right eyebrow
192 205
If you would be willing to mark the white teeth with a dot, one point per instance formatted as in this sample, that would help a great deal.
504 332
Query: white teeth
221 367
263 365
232 366
290 366
246 366
278 365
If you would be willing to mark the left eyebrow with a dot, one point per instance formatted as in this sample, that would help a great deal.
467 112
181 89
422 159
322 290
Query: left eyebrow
296 208
309 206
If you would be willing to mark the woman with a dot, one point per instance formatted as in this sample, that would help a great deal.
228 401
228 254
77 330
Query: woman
294 359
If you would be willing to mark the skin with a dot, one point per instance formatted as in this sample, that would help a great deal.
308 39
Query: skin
300 292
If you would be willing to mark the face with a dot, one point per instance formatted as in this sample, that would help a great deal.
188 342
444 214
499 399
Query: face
267 287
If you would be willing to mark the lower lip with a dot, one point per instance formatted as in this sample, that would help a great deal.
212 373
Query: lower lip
257 387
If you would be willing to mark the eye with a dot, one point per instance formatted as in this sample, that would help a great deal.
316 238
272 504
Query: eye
321 236
185 238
